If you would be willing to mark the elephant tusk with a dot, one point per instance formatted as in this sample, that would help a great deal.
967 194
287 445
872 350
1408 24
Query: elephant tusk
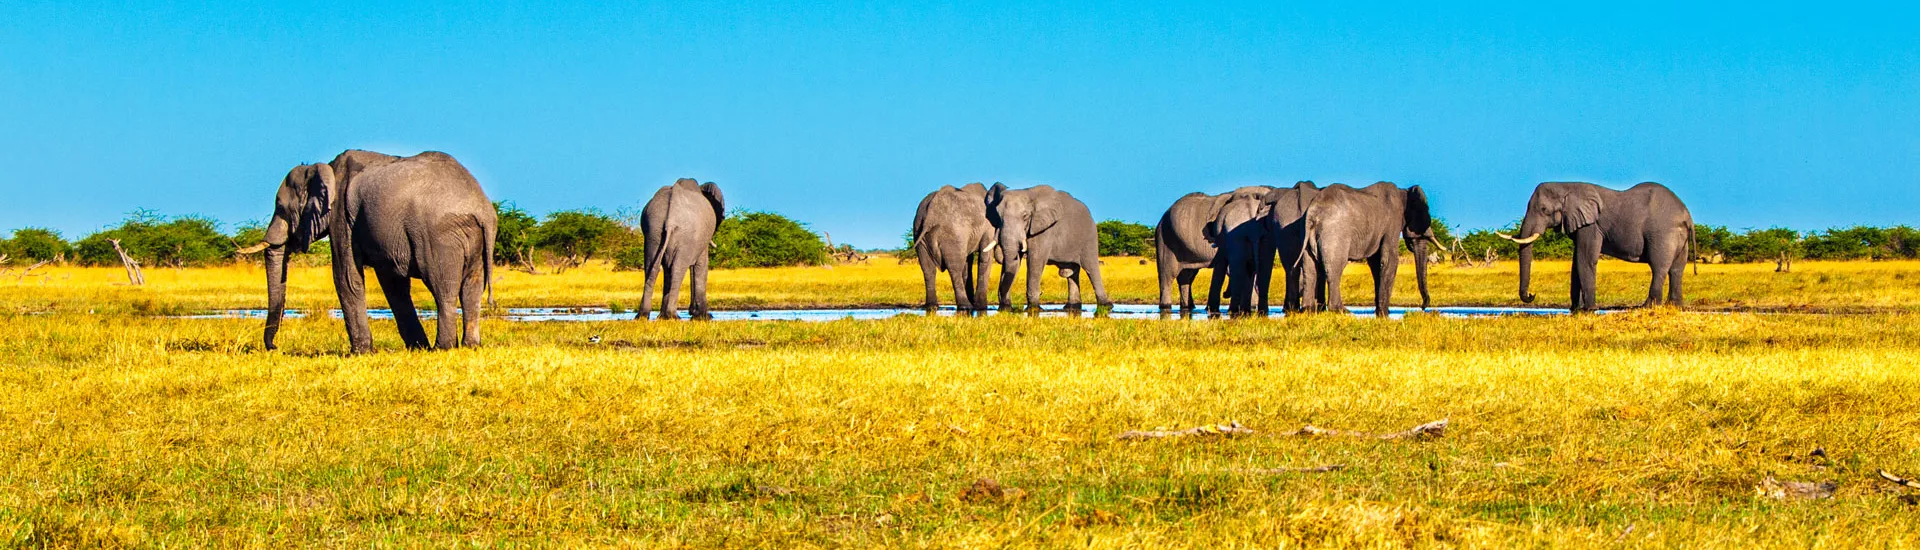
989 247
1528 240
255 249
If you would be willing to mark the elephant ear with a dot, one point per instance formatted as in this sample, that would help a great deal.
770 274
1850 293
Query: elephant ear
315 212
712 191
1214 228
1582 204
1043 217
1419 215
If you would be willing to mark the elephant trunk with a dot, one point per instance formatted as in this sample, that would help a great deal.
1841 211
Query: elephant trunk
1420 271
276 292
1526 273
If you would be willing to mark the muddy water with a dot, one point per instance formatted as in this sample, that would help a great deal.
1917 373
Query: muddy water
1124 311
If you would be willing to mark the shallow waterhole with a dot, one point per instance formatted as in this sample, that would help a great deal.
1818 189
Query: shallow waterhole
1120 311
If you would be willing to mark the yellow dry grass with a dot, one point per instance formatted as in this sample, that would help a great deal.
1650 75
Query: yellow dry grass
1650 428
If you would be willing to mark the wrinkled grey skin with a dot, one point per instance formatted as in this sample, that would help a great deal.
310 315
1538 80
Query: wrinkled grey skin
1046 226
951 233
1345 224
1223 233
679 223
1646 224
1286 230
420 217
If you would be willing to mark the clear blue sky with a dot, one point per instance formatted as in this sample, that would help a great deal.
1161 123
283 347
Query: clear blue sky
844 115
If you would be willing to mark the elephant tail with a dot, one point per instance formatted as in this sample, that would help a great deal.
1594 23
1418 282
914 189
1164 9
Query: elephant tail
486 265
1693 248
1309 227
656 251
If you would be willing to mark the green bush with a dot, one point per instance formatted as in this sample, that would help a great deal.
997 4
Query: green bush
154 240
1120 238
513 240
35 244
632 257
576 236
764 239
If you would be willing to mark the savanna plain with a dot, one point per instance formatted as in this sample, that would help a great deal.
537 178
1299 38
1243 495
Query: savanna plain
125 425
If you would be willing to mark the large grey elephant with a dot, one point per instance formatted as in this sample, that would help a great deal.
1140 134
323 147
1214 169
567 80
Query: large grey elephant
1223 233
1286 229
951 233
420 217
1645 224
678 224
1046 226
1344 224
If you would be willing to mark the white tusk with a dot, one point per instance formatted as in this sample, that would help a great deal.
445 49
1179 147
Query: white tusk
1528 240
255 249
989 248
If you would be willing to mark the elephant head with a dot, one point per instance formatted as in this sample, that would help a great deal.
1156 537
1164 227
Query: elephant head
1239 216
1565 206
1019 215
301 215
1417 231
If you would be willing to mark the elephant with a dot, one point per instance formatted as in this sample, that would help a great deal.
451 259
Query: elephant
1286 229
1047 227
1646 224
1344 224
678 224
951 233
1221 232
420 217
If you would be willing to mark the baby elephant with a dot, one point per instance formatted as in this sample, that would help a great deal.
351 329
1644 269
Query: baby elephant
679 224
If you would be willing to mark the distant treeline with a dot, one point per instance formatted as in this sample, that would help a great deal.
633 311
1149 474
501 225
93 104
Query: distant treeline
1714 243
565 239
560 241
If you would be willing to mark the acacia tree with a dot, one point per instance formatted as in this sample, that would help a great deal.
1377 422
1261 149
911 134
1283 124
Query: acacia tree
513 241
575 236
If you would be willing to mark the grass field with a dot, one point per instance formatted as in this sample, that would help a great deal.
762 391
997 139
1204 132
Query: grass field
123 427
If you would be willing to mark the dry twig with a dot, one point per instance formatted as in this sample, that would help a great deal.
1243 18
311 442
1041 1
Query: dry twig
1229 429
1901 481
1279 471
1428 430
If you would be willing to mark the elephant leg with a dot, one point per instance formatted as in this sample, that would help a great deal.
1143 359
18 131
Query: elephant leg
1073 287
1660 262
1100 298
670 298
1185 281
1332 272
1263 276
1036 269
1169 272
1312 285
1675 296
1586 262
646 292
929 272
399 292
1386 268
473 292
697 309
446 295
351 286
982 272
957 274
1216 284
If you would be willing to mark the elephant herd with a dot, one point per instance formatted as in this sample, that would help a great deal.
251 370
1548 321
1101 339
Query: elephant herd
1314 232
425 217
